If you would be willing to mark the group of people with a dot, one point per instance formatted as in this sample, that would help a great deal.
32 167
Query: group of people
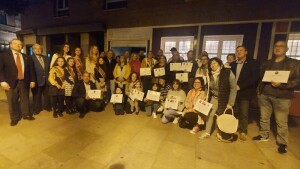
66 79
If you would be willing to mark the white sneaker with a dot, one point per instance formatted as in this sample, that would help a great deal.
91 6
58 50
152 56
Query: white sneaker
160 109
175 121
154 115
204 136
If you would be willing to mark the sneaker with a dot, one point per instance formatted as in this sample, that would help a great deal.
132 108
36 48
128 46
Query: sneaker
282 148
160 109
220 139
175 121
242 137
260 138
195 130
204 136
154 115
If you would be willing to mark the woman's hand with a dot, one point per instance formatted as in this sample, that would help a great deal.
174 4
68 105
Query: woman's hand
229 107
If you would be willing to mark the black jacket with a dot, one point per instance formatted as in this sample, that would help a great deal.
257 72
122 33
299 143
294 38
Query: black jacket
9 71
248 79
284 90
79 89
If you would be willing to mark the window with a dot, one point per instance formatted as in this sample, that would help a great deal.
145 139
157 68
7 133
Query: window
294 46
182 43
115 4
4 46
221 45
61 8
3 18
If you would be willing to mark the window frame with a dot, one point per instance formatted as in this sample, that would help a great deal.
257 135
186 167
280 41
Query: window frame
177 40
64 11
295 36
107 4
221 38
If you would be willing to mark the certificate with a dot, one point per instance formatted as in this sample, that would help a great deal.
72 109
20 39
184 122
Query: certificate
94 94
182 77
153 95
159 72
276 76
138 95
116 98
171 104
175 97
145 71
203 106
187 66
175 67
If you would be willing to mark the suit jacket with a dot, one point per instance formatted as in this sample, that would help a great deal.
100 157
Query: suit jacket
9 71
248 79
79 89
40 72
110 68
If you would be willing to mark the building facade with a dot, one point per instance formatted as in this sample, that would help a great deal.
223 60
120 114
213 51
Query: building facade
9 25
214 26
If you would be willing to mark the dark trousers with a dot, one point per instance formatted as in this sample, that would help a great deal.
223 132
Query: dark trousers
57 104
69 102
41 99
83 105
18 100
243 109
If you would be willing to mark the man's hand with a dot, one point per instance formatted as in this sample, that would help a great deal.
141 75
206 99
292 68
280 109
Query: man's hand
87 97
238 87
5 86
32 85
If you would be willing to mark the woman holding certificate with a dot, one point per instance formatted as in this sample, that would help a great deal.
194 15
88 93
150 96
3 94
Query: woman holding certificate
121 73
223 90
189 114
148 62
176 96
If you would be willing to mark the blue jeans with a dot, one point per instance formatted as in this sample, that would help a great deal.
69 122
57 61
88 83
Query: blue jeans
280 107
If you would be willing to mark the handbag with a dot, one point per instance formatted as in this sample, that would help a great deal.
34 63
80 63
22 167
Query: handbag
227 123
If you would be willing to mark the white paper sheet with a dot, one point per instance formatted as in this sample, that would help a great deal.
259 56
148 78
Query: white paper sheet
276 76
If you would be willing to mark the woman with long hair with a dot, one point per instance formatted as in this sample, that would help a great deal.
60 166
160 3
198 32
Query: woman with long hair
135 63
79 61
63 52
91 60
121 73
100 73
71 77
175 93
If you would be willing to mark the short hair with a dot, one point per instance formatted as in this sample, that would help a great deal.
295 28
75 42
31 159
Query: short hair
177 82
241 46
218 60
35 45
231 54
201 81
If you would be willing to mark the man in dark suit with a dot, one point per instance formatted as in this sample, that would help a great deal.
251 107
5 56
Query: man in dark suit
41 100
110 64
82 100
246 71
16 77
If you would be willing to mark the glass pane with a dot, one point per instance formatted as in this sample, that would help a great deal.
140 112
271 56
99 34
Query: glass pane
211 46
169 45
184 46
168 55
228 47
224 58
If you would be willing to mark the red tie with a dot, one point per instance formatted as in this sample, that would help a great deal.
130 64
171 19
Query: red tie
19 67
